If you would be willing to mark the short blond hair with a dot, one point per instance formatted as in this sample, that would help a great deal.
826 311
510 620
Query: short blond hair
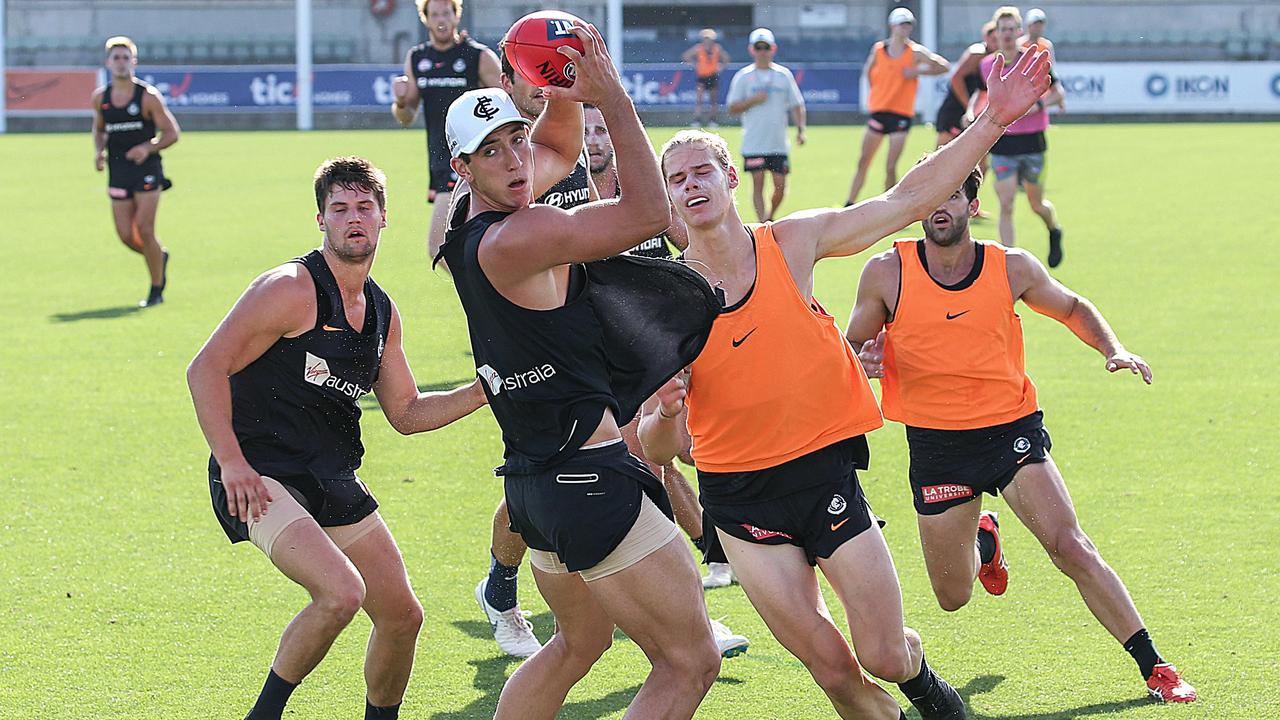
121 41
711 141
1007 11
422 8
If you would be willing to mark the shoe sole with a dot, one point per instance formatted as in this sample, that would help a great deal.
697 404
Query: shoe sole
735 651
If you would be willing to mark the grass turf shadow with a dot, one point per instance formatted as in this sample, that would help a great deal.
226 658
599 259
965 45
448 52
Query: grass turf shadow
99 314
985 683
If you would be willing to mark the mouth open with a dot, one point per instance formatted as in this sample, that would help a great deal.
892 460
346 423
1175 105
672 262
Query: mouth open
940 219
356 233
696 201
517 184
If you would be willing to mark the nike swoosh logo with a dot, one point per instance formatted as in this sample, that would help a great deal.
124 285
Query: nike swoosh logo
330 328
953 317
1023 458
743 339
837 526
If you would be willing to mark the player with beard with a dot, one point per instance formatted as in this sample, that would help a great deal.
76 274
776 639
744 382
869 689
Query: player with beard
276 390
936 323
779 408
442 68
557 347
126 115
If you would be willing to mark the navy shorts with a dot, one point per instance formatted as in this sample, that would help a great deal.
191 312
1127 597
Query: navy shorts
887 123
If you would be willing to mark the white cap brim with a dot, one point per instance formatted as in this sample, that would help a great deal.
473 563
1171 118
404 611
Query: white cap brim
475 115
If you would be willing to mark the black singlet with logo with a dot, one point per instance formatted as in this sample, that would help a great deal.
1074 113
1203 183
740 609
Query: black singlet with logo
296 409
443 76
550 374
126 126
973 82
572 190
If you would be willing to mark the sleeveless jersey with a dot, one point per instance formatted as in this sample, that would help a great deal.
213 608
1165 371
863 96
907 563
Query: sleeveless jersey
572 190
550 374
125 126
973 82
707 63
296 409
442 76
953 357
890 91
777 379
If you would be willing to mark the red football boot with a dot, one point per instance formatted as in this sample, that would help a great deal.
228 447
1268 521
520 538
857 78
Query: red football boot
995 574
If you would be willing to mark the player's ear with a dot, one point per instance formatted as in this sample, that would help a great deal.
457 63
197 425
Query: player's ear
460 167
384 217
973 207
732 174
320 221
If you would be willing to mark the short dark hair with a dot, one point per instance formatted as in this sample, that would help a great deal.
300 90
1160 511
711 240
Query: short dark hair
507 68
352 173
972 183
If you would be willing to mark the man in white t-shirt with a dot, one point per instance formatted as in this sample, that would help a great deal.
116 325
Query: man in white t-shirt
765 93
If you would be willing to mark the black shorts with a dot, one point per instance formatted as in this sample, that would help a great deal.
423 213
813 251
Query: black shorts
126 178
333 503
886 123
950 118
443 178
710 82
953 467
826 510
780 164
582 508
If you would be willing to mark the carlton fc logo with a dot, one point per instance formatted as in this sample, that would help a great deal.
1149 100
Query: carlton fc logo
424 65
133 108
1021 445
485 109
837 505
459 65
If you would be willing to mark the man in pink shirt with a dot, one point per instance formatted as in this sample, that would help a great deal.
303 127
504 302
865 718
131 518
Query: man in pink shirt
1018 156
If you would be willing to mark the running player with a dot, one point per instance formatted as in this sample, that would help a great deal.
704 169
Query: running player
1018 157
935 321
708 59
766 93
442 68
777 464
966 79
562 374
276 390
126 115
892 72
684 501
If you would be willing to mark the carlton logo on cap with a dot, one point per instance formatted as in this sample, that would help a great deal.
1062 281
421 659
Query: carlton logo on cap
476 114
485 109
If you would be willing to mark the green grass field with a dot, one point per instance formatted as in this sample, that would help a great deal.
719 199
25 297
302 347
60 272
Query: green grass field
123 599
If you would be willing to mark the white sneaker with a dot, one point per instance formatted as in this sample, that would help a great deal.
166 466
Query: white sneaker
718 575
512 631
730 645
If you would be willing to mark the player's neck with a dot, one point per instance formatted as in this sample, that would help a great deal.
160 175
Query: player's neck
722 245
448 44
898 43
122 83
952 263
764 64
350 274
606 182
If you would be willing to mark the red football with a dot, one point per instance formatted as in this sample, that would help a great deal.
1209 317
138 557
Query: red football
531 45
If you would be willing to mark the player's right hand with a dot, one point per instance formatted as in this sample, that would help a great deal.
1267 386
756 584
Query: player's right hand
1012 91
99 161
871 355
247 494
597 77
400 88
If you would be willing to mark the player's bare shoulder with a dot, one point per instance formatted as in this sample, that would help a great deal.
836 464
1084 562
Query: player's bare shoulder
881 274
1023 269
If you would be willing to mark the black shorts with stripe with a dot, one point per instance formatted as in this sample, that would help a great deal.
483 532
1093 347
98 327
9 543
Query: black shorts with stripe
813 502
953 467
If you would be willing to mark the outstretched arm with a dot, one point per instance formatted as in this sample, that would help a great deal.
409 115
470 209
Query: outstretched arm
1030 281
931 182
408 409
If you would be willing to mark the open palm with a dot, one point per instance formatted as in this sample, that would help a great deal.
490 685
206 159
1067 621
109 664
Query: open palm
1011 92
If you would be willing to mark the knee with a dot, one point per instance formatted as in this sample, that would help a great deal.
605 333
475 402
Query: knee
146 230
581 653
1074 554
890 662
697 667
341 602
951 598
834 672
403 621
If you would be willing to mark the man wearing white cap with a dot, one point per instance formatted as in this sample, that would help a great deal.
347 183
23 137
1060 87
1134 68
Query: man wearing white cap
765 92
1035 33
561 379
891 72
708 59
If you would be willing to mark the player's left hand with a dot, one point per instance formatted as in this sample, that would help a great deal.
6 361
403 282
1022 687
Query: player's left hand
139 153
1125 359
800 138
671 395
871 355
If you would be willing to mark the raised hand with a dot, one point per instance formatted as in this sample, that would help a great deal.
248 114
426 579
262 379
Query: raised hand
1125 359
400 88
1012 92
597 78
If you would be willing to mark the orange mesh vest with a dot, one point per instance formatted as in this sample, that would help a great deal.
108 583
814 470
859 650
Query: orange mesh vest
953 358
708 63
890 91
777 379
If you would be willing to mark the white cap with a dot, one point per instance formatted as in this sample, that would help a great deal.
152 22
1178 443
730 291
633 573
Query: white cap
476 114
761 35
901 16
1035 15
